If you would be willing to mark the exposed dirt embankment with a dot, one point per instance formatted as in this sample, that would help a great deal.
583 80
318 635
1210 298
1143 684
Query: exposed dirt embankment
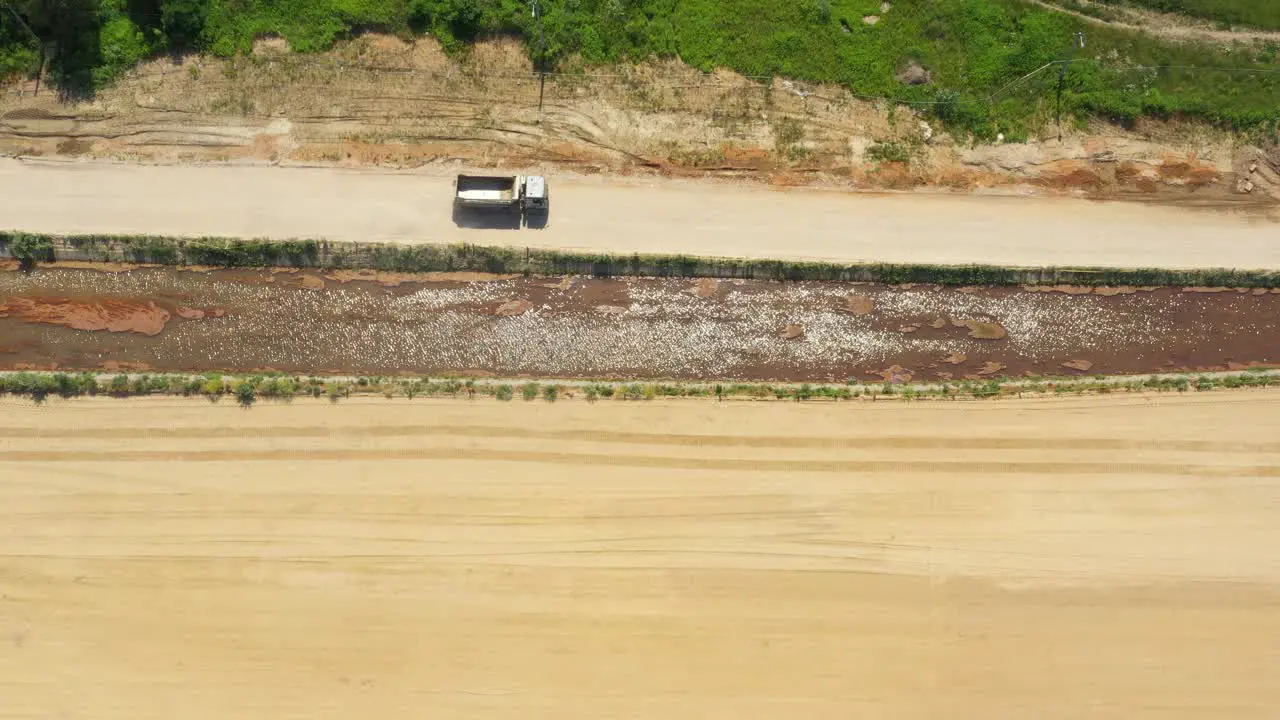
379 101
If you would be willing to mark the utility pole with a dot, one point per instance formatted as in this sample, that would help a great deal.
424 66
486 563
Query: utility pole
32 33
542 56
1062 76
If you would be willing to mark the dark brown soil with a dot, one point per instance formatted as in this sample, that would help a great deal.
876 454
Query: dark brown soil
635 328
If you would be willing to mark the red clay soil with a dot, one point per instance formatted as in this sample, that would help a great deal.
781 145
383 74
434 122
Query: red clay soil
112 315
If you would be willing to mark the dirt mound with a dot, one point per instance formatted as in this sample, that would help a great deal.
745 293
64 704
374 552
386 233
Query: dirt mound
792 332
982 329
512 308
111 315
118 365
706 287
895 374
29 114
307 282
859 304
913 73
991 368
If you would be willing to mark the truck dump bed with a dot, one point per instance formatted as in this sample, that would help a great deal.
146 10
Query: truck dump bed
487 190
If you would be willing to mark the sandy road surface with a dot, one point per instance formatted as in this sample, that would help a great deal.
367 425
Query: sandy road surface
1101 558
620 216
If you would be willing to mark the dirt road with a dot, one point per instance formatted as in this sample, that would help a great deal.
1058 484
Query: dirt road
1165 25
1107 558
629 216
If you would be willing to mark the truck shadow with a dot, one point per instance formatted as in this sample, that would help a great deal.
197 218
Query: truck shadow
536 220
486 219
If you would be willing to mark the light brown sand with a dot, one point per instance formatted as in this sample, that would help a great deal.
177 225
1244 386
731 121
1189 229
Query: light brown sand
1099 558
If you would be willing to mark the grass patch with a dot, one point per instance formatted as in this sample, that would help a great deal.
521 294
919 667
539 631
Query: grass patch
889 152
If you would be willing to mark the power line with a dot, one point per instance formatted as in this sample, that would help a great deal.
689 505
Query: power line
542 55
39 42
23 23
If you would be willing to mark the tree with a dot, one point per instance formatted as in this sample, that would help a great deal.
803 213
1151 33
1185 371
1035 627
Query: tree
246 392
451 21
29 249
183 22
70 28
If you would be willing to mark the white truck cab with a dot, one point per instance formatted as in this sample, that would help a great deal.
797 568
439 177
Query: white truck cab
535 193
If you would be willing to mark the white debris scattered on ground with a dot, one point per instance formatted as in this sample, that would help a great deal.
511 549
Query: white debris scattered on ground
662 331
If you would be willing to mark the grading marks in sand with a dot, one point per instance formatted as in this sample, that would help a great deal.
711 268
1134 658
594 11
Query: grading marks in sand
366 323
1107 558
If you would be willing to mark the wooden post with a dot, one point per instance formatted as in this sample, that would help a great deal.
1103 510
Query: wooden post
1062 80
40 71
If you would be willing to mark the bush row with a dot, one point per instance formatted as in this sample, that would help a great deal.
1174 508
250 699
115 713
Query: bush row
247 390
223 252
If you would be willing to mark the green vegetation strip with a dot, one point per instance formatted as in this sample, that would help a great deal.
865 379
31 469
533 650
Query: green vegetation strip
969 50
31 249
247 390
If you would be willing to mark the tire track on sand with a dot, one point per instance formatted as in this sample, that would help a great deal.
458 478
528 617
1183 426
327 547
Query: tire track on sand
643 461
901 442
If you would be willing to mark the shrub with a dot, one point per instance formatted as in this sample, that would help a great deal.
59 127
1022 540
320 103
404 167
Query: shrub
888 152
529 391
213 387
30 249
503 393
176 385
35 385
183 22
122 45
120 386
246 392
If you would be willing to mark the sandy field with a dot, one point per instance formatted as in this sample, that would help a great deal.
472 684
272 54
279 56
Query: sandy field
1101 558
638 215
